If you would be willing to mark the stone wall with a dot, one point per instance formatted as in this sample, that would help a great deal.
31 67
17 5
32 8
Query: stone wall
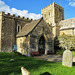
23 45
42 29
67 32
20 42
48 13
8 33
0 28
30 42
9 30
58 13
21 22
53 14
67 26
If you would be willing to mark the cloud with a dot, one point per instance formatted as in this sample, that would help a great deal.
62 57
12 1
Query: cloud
72 4
6 9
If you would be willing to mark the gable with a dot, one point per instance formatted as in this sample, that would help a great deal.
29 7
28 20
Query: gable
41 28
28 28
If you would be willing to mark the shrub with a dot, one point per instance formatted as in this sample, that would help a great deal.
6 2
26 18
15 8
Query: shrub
59 52
66 41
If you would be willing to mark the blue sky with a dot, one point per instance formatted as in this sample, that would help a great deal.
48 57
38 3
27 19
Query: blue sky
32 8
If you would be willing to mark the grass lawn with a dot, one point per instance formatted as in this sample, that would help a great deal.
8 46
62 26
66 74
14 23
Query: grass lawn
73 52
33 65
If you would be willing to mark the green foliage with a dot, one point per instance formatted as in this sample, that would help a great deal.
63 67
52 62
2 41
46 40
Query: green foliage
66 41
59 52
33 65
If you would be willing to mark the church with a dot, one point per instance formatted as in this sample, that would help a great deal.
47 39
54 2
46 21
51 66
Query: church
34 35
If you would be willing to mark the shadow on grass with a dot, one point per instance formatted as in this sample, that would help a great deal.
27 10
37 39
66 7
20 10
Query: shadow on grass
46 73
73 63
13 68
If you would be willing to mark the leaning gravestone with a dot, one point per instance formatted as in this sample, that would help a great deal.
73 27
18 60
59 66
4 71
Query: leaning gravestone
67 58
24 71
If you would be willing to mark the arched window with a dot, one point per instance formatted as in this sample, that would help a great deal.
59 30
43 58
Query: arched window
49 14
19 28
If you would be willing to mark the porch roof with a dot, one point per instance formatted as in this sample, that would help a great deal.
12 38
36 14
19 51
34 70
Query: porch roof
28 28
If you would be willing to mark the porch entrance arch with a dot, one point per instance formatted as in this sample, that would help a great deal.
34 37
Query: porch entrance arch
41 45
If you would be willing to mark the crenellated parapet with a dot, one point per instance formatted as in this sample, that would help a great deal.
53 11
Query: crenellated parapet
51 6
8 15
47 7
58 6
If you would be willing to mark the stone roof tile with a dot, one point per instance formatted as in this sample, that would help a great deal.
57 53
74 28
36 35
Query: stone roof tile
69 23
28 28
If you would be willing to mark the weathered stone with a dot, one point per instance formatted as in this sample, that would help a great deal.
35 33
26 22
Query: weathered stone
10 26
67 26
8 30
24 71
67 58
41 31
51 14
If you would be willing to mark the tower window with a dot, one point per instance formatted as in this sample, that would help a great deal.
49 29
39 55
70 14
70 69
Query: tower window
45 15
49 14
59 9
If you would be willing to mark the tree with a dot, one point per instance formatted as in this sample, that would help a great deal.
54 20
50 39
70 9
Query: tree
67 41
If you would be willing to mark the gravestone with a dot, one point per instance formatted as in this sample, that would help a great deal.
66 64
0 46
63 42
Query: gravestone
24 71
67 58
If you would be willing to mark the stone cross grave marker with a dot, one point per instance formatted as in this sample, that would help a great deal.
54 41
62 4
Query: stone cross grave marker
67 58
24 71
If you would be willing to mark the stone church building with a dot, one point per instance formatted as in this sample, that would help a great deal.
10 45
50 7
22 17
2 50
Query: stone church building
34 35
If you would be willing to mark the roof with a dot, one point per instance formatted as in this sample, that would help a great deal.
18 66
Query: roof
66 24
28 28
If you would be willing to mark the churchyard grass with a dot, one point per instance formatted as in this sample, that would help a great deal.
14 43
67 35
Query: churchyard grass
73 52
33 65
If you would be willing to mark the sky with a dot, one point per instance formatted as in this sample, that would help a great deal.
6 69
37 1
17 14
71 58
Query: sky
32 8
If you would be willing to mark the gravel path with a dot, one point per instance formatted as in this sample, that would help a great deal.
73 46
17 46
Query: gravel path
53 58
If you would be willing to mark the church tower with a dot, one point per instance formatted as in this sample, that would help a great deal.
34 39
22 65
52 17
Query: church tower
53 14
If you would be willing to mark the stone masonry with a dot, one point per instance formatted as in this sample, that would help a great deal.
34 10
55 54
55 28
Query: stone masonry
52 25
53 14
30 40
9 25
